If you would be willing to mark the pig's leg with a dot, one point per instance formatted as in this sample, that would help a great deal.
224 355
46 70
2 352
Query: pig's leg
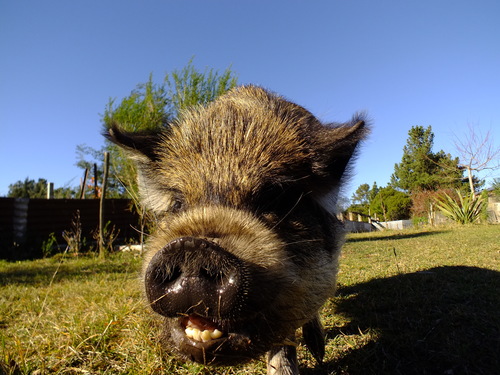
282 360
314 337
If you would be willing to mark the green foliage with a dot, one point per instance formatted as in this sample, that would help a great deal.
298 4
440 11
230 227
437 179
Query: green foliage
49 245
391 204
373 192
495 186
65 193
421 168
188 87
37 189
146 108
362 198
363 209
152 106
28 189
461 209
361 195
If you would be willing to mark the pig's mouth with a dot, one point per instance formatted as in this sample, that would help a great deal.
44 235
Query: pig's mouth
203 340
215 306
201 329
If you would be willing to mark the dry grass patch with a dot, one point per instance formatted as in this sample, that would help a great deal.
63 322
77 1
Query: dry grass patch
412 302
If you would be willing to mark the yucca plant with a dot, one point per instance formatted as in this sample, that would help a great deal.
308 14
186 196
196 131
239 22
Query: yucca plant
464 210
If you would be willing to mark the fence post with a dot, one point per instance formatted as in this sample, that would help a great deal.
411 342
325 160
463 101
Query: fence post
84 182
50 190
96 194
102 248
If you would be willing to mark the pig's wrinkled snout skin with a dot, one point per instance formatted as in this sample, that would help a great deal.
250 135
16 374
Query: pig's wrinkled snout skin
195 276
246 243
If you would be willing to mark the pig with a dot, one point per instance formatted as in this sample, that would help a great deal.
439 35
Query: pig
246 246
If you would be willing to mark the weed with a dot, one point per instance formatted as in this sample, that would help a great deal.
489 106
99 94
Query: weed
109 236
73 237
49 245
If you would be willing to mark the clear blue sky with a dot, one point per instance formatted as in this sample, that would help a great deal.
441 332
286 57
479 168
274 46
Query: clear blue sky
406 63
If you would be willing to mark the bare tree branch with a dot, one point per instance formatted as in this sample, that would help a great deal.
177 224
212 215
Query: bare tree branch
477 152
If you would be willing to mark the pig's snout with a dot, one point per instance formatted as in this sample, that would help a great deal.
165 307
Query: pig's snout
196 276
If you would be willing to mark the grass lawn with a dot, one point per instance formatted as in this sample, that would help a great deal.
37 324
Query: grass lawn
411 302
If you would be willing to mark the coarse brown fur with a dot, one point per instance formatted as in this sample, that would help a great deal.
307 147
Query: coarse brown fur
249 174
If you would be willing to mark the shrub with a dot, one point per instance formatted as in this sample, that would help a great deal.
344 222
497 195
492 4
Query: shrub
466 209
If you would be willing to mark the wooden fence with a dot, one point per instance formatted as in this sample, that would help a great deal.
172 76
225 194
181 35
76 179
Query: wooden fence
26 223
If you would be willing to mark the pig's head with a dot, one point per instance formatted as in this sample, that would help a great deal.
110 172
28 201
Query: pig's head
246 248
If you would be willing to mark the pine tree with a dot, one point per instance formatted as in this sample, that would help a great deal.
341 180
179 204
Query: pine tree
361 195
421 168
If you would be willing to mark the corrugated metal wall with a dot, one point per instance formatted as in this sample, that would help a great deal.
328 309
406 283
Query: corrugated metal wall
26 223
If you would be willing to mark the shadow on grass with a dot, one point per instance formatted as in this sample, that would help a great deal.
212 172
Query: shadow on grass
444 320
394 236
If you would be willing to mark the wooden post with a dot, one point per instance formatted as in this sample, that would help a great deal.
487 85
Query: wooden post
84 183
50 190
96 195
102 248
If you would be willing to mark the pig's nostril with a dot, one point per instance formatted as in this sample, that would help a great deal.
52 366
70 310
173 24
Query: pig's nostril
192 275
165 275
211 276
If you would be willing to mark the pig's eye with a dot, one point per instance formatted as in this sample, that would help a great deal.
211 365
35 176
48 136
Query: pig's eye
176 202
275 199
177 205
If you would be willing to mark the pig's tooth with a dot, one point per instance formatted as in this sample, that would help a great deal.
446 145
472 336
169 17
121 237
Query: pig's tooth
196 334
215 334
189 332
205 335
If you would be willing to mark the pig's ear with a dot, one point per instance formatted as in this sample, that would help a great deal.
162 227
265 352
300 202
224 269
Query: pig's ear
141 146
337 147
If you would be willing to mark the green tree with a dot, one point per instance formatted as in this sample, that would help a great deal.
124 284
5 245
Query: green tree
28 189
421 168
373 192
36 189
361 195
65 193
391 204
362 198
